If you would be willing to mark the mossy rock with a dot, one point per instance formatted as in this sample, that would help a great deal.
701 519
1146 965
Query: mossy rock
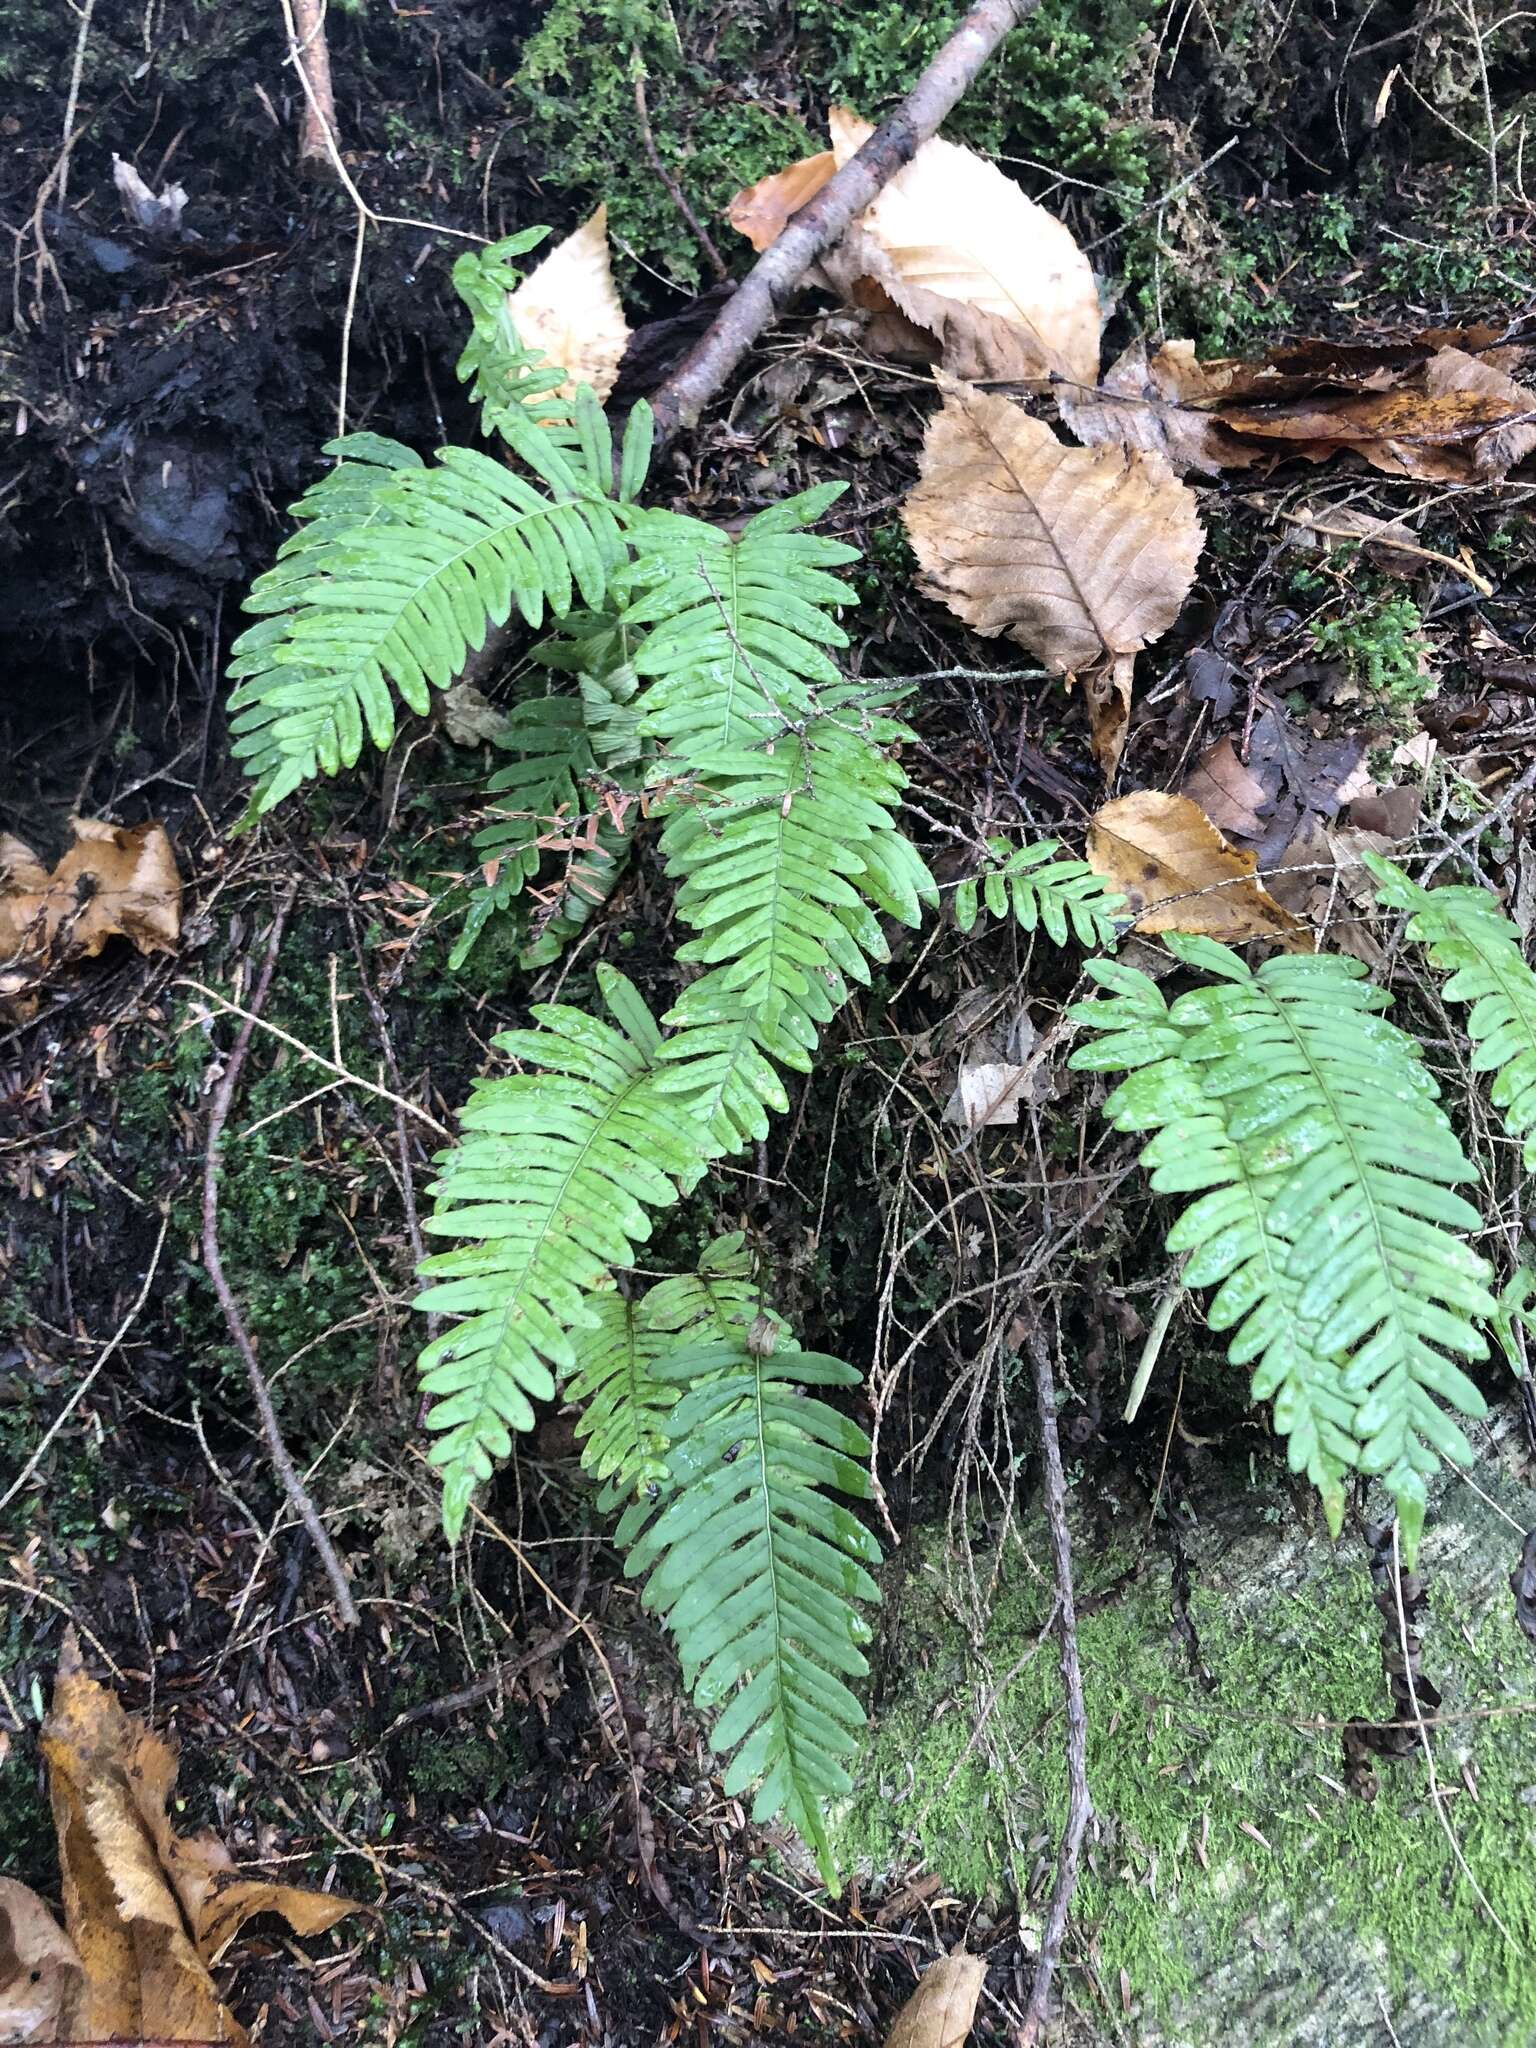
1235 1891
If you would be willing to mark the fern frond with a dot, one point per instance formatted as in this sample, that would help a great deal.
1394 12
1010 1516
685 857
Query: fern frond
395 602
757 1571
1346 1196
554 1179
623 1398
1465 934
1039 892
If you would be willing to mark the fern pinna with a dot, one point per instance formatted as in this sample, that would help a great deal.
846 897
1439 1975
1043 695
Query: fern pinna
1327 1217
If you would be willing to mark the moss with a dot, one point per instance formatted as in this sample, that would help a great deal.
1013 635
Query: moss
734 95
1381 643
1225 1830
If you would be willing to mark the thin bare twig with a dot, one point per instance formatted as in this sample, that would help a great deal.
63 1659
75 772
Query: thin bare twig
674 191
1079 1800
218 1117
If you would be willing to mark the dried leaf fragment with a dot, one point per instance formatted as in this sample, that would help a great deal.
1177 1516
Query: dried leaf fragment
39 1967
1452 369
114 881
940 2012
568 307
761 210
1152 402
1180 875
962 250
1229 793
1083 555
146 1909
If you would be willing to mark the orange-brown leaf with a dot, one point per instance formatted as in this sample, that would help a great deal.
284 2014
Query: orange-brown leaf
1179 874
940 2012
114 881
761 211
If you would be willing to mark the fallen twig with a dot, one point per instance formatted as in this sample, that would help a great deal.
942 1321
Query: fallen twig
1079 1800
218 1117
312 54
777 274
674 191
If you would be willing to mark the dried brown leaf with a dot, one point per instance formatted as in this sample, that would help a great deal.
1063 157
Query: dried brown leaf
962 251
1150 402
114 881
1406 414
147 1910
942 2009
1454 370
761 210
568 307
39 1967
1320 878
1083 555
1230 794
1180 875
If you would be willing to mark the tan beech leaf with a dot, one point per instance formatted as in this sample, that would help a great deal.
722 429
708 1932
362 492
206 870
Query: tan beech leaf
940 2012
1453 370
114 881
963 252
1180 875
146 1909
568 308
1230 794
1151 402
39 1968
760 211
1080 554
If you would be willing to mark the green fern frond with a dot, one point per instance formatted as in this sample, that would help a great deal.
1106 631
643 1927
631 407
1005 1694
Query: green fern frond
395 602
1330 1217
623 1398
1040 892
555 1178
1466 934
757 1571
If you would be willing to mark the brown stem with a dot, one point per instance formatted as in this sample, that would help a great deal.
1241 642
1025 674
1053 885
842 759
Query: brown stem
1079 1801
776 276
218 1117
674 191
318 134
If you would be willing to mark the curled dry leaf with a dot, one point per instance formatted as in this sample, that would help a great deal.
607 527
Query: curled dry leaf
1180 875
761 211
1452 369
1152 402
147 1910
1407 414
114 881
39 1967
568 308
963 252
942 2009
1083 555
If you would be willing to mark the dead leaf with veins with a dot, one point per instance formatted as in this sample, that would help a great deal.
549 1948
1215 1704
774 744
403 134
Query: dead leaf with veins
1082 555
1179 874
1499 450
941 2011
115 881
761 211
147 1910
568 308
963 252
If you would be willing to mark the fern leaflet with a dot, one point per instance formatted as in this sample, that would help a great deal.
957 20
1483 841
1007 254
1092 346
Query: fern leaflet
1040 892
552 1182
757 1571
1330 1216
1464 931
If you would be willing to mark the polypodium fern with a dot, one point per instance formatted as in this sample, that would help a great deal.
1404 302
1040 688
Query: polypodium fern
1329 1219
757 1571
1040 893
622 1398
1463 931
394 603
553 1182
